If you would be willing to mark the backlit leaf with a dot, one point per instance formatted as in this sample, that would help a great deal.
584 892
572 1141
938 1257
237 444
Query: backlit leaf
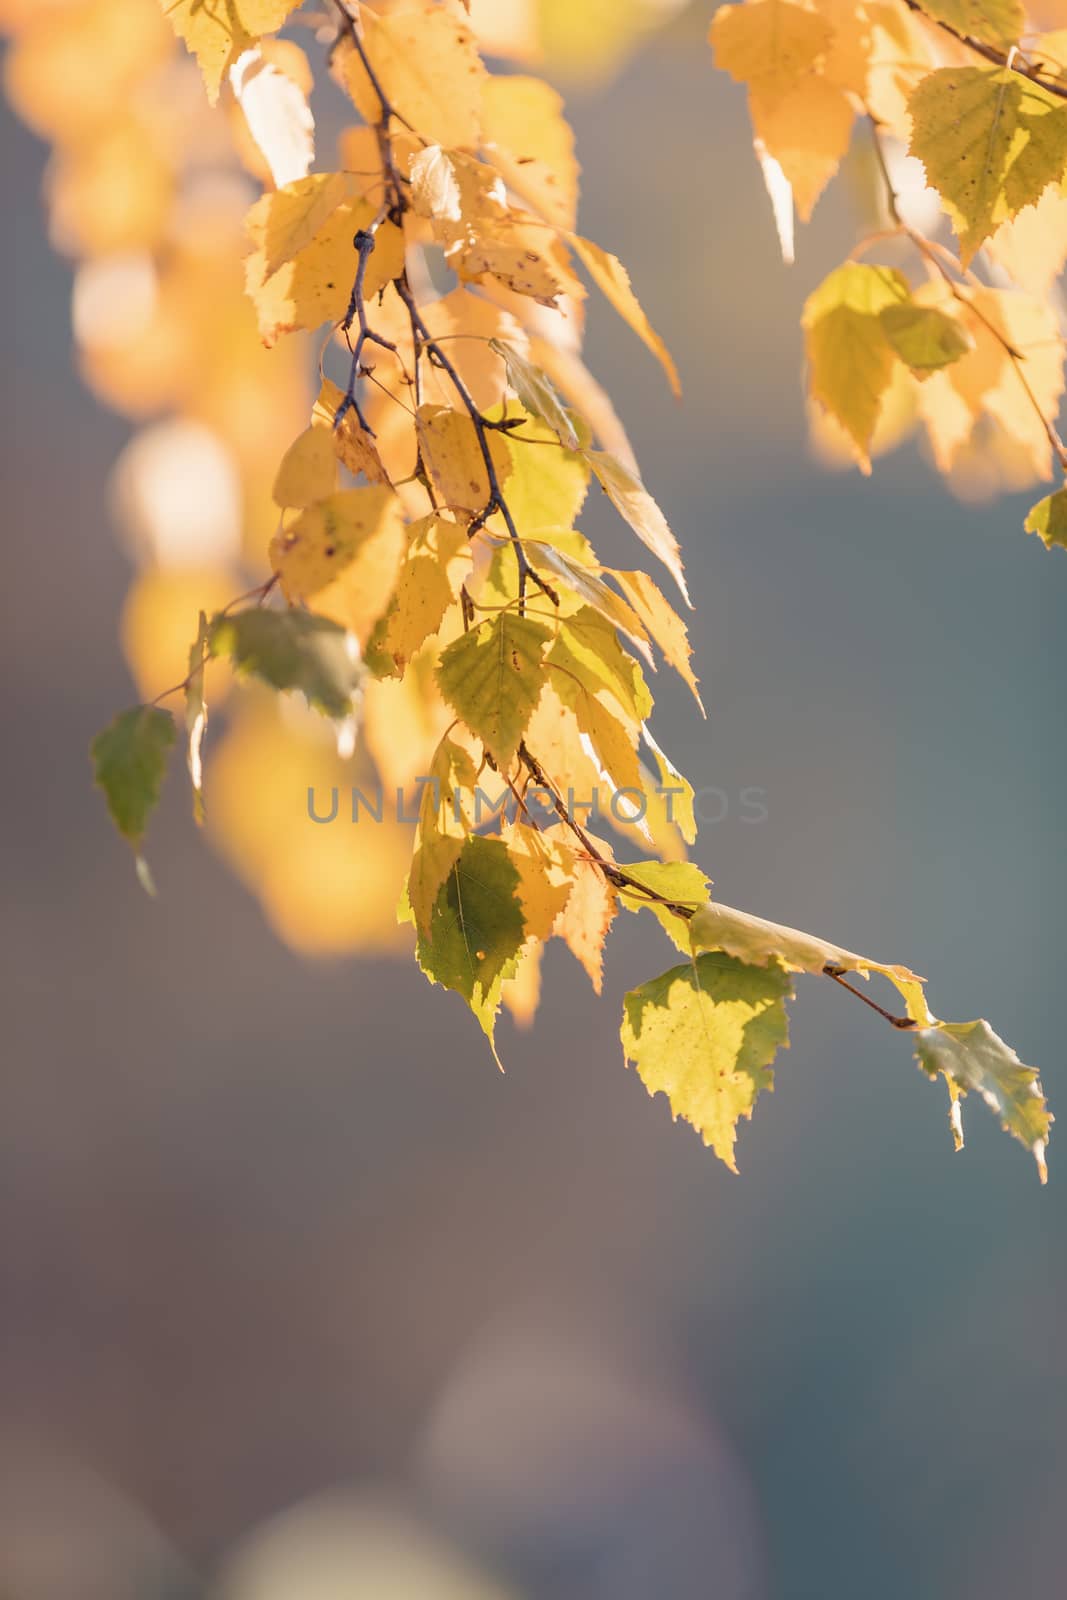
705 1034
217 30
277 115
1048 519
636 506
973 1059
492 678
315 285
922 336
456 461
427 585
991 142
476 931
286 222
535 392
427 63
613 281
680 882
308 469
344 553
529 141
850 358
584 922
1000 22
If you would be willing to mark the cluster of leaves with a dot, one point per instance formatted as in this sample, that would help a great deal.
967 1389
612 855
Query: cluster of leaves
427 595
973 353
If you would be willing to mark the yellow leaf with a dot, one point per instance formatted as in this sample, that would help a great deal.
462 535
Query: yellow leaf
985 384
807 131
850 359
771 43
1032 246
454 457
284 223
584 922
353 446
613 281
545 869
588 397
215 31
344 554
530 142
315 286
429 581
427 63
877 53
522 993
468 323
308 469
760 943
634 503
662 622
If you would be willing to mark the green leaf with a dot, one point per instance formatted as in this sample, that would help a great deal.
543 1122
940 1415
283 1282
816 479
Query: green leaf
679 881
923 337
294 650
991 142
972 1058
536 393
705 1034
493 677
999 22
477 929
1048 519
129 763
443 827
850 358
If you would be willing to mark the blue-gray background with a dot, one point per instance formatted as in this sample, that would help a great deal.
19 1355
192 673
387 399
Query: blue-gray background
271 1227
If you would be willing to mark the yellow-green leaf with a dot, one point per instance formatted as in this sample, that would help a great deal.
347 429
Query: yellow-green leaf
991 142
680 882
923 337
492 677
850 358
1048 519
972 1058
705 1034
535 392
1001 22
